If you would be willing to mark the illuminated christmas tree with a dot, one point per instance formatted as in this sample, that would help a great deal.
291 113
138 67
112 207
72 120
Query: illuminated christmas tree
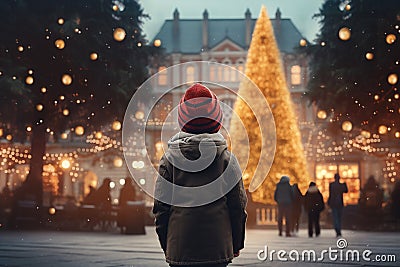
264 68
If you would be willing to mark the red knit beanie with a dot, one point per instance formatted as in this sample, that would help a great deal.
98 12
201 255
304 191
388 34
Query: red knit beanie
199 111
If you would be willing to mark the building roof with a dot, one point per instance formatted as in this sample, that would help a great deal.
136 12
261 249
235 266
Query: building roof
189 40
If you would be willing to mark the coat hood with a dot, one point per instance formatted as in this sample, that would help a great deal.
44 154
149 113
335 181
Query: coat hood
199 149
312 189
284 179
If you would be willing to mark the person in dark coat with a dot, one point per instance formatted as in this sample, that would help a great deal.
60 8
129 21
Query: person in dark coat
284 197
200 228
313 205
127 193
296 208
335 201
395 199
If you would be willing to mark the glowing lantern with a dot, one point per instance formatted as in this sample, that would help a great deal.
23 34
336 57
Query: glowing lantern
66 79
93 56
9 137
59 43
369 56
347 126
118 162
60 21
390 38
321 114
383 129
392 78
157 43
39 107
344 34
303 42
79 130
116 126
29 80
119 34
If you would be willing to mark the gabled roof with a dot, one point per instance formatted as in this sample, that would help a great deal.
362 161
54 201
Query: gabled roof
189 40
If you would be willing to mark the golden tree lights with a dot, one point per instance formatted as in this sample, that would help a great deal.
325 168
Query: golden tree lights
93 56
29 80
116 126
79 130
59 43
392 78
263 67
390 38
119 34
369 56
66 79
347 126
157 43
344 34
321 114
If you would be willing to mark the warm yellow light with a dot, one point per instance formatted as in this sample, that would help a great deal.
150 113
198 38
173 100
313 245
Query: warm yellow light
59 43
60 21
66 79
347 126
348 7
20 48
139 44
390 38
321 114
79 130
64 136
139 115
65 164
397 134
369 56
28 128
29 80
9 137
376 97
93 56
119 34
39 107
65 112
62 97
98 135
344 34
118 162
365 134
1 132
122 181
115 8
52 211
392 78
157 43
30 72
303 42
396 96
116 126
43 90
383 129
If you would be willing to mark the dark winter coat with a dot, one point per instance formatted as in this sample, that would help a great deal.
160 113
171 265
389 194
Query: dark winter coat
313 200
336 191
204 234
283 192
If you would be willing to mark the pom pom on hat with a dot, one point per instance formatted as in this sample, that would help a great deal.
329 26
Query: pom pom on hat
199 111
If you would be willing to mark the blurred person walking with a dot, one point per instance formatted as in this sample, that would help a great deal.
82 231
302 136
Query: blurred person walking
284 197
298 201
314 205
335 201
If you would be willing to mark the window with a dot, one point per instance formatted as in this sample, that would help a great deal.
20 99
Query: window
162 76
295 73
190 74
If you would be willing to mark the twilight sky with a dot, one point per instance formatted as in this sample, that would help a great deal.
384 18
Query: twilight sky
299 11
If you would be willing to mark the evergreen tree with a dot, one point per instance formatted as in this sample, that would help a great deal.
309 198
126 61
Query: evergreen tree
264 68
66 64
355 65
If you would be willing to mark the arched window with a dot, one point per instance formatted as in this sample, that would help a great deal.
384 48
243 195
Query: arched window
295 74
162 76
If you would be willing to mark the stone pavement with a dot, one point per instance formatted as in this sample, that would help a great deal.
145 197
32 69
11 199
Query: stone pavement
61 249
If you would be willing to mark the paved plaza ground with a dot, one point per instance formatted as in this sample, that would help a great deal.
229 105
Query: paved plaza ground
60 248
